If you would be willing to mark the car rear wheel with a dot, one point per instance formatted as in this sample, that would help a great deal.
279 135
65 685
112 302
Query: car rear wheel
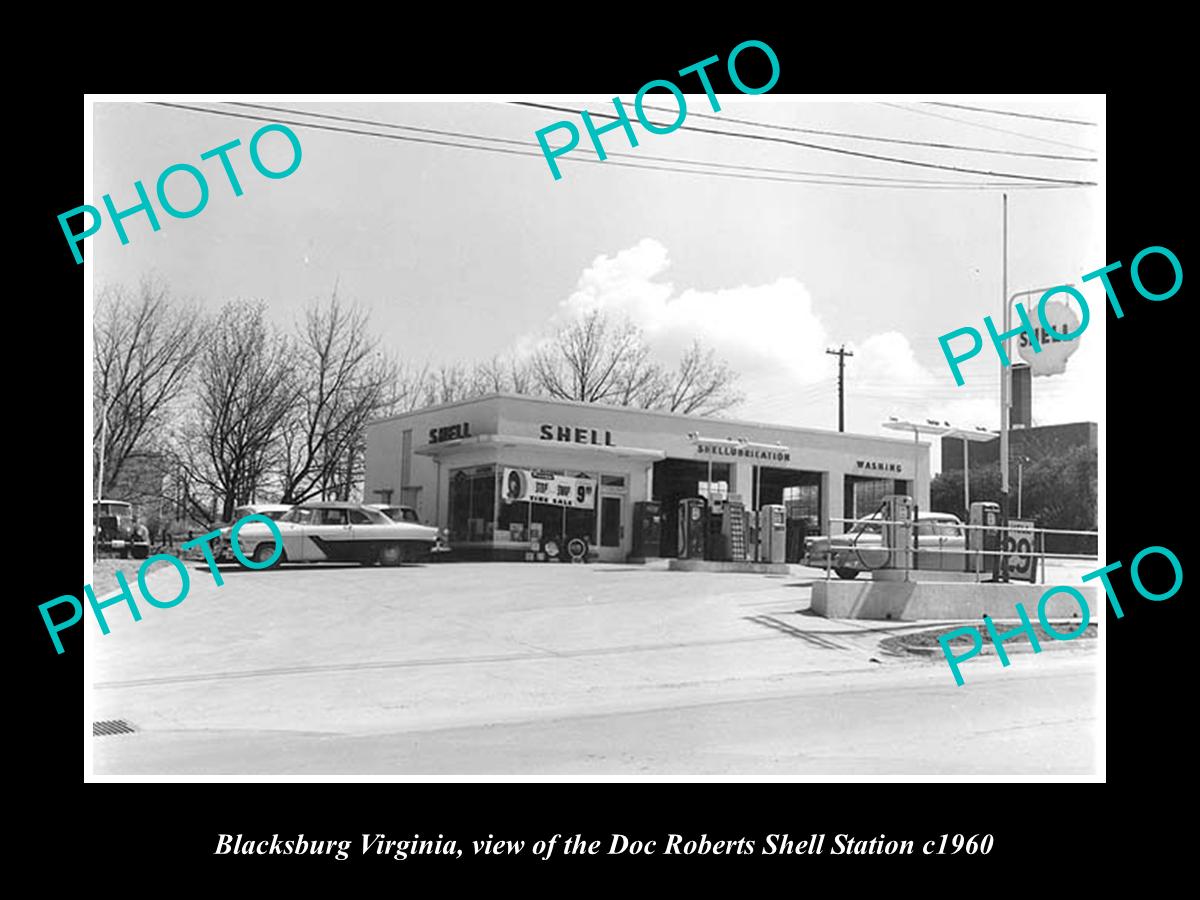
848 574
390 555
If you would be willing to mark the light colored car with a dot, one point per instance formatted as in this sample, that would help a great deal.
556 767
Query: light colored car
941 545
274 511
396 513
337 531
270 510
408 514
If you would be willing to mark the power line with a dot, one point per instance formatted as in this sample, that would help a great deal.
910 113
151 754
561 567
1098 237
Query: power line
638 156
839 150
611 163
883 140
1004 112
1031 137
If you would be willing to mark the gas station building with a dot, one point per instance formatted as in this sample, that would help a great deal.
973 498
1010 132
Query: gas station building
513 477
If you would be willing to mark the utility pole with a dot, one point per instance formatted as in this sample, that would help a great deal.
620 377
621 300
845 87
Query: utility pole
841 353
1005 371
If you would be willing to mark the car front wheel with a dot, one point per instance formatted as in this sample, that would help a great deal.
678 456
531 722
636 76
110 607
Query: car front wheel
263 552
848 574
390 555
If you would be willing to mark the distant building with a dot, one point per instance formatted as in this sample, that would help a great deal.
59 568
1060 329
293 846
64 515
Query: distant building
141 482
1033 443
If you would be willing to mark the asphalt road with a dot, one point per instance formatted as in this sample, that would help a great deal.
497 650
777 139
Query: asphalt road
554 669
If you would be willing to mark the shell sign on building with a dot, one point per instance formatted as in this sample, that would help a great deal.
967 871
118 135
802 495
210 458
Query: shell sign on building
1052 360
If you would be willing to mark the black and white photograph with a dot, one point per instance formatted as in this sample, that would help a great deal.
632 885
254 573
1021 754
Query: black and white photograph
701 432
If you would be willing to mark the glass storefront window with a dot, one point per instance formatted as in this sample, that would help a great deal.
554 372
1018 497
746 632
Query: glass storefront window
527 522
514 519
472 503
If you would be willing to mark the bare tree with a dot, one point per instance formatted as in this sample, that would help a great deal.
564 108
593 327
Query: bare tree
490 377
592 359
510 374
452 383
702 384
343 380
246 391
408 390
145 345
521 377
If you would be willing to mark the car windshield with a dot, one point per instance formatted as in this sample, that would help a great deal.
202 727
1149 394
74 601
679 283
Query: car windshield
300 515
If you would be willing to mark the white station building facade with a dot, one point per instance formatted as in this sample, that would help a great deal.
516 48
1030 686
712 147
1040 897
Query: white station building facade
505 474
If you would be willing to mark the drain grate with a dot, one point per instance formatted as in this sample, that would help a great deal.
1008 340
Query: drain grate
110 727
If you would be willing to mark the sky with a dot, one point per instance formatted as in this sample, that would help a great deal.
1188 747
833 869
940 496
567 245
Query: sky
460 254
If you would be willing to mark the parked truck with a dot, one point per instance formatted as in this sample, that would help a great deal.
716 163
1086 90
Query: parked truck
116 532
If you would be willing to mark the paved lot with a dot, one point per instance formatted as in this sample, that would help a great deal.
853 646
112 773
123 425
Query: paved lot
517 668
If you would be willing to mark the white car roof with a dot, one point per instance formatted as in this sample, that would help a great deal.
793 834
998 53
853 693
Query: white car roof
949 517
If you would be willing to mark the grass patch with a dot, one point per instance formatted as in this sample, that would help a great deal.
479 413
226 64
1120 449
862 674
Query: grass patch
918 641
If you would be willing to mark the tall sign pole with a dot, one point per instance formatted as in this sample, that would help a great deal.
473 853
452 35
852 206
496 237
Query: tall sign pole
841 353
1005 383
103 442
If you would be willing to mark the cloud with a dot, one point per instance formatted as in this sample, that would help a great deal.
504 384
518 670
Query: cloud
730 320
773 335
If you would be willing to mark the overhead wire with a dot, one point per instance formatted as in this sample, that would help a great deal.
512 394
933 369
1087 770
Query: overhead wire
1019 115
967 148
639 156
618 163
962 121
837 150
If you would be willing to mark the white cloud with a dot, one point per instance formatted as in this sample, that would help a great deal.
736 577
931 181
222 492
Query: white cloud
733 320
773 335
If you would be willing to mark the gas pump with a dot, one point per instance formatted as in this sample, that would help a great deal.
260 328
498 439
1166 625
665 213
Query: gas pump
898 537
692 527
772 533
733 528
984 535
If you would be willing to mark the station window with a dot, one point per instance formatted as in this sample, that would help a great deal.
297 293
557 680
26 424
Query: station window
524 521
472 503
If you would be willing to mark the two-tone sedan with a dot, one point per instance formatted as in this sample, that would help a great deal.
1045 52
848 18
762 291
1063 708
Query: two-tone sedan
940 544
336 531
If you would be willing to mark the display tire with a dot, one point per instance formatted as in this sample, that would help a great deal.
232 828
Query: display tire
848 574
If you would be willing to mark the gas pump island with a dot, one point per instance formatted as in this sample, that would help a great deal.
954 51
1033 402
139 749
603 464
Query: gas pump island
723 531
915 576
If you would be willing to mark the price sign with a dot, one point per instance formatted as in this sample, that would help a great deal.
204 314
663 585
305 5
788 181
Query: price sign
1019 544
